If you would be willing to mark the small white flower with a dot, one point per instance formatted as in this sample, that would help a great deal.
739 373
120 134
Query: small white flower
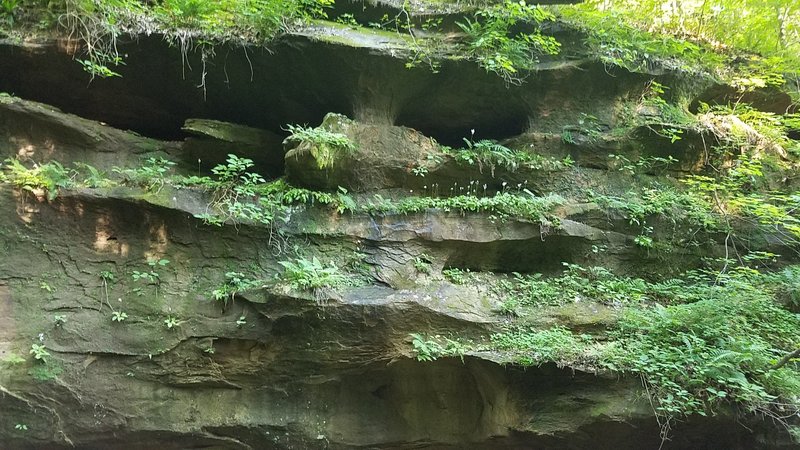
41 337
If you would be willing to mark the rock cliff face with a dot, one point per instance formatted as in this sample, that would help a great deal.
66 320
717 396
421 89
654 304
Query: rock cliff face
151 341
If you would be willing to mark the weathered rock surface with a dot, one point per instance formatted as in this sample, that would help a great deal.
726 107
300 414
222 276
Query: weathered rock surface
370 84
275 368
210 142
33 131
297 374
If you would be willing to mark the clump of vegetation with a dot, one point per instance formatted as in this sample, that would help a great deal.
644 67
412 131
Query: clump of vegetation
150 276
490 154
235 282
431 348
502 206
422 263
730 344
52 177
172 323
48 178
696 37
39 352
663 201
647 164
151 176
311 275
491 40
235 194
535 347
455 275
326 145
612 38
8 10
715 341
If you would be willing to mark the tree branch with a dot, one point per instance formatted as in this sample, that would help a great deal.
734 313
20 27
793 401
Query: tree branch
785 360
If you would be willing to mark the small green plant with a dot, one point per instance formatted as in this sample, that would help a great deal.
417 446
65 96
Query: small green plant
347 19
241 321
237 197
567 137
45 286
645 164
235 282
171 323
643 241
12 359
420 171
455 275
119 316
152 176
108 276
491 155
95 69
21 427
93 178
50 177
430 349
535 347
39 352
59 320
509 307
45 372
422 263
7 7
235 171
426 350
308 275
149 276
158 263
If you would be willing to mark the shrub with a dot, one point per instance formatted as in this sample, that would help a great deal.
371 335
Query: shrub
308 275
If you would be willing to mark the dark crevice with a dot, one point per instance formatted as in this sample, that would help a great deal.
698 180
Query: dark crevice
297 81
529 256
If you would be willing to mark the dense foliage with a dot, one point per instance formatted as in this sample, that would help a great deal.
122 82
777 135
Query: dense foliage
751 44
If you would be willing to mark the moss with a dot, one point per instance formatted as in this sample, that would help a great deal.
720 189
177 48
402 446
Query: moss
357 37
